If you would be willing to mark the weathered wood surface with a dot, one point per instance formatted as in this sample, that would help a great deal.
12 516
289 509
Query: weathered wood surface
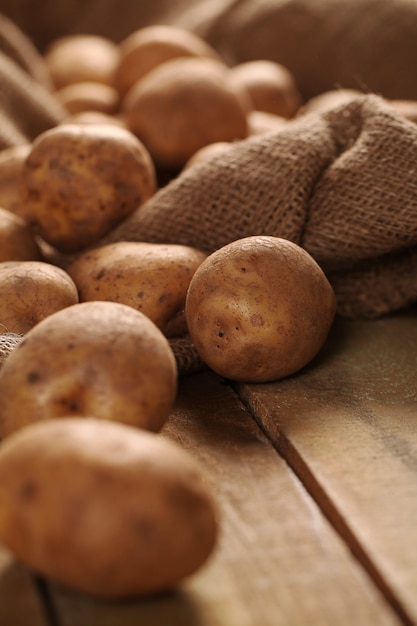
321 532
347 426
21 603
278 563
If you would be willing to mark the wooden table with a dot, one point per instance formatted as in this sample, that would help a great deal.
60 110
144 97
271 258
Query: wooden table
316 480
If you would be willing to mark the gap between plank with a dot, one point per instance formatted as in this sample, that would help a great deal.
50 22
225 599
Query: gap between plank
47 602
301 469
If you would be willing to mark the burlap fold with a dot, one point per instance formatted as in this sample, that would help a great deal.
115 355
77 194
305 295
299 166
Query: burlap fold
342 184
27 107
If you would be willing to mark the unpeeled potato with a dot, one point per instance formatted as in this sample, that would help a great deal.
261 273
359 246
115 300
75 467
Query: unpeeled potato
104 508
183 105
211 150
88 96
152 278
11 167
81 57
270 85
148 47
79 181
259 309
17 242
93 358
31 291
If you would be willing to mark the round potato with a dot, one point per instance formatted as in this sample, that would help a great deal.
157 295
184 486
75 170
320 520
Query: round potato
31 291
88 96
211 150
150 46
259 309
183 105
270 85
11 167
81 57
93 358
103 508
152 278
94 117
17 242
79 181
261 122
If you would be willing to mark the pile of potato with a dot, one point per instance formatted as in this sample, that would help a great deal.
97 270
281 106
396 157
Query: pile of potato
91 493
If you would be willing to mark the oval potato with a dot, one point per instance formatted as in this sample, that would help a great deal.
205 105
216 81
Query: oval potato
31 291
270 85
79 181
103 508
88 96
150 277
93 358
11 168
183 105
17 242
148 47
81 57
259 309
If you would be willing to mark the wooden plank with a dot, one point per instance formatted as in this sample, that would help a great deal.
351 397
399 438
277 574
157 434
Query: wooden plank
278 562
20 601
347 425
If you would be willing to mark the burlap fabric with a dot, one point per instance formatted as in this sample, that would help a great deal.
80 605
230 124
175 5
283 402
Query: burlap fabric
341 183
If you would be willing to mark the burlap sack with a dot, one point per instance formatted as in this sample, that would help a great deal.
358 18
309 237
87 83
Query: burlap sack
27 106
342 184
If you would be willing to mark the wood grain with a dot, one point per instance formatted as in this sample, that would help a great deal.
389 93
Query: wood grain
347 425
278 562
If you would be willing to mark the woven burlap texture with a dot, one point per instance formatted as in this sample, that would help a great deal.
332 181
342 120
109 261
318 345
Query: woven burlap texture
342 184
27 106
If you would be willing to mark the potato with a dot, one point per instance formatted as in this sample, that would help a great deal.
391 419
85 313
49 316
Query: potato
81 57
261 122
80 181
152 278
183 105
93 358
407 108
88 96
327 100
147 47
11 167
259 309
211 150
17 242
103 508
31 291
93 117
270 85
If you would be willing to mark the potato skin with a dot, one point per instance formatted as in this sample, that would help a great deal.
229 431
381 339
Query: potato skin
150 46
81 57
31 291
183 105
104 508
259 309
93 358
79 181
17 242
152 278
